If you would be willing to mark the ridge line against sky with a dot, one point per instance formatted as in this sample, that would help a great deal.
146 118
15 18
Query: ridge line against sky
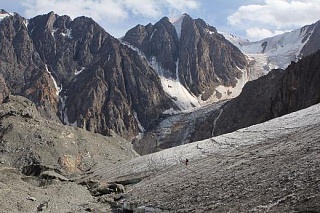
252 19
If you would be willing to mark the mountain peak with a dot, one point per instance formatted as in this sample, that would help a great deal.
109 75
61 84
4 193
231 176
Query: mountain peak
2 11
177 22
4 14
176 19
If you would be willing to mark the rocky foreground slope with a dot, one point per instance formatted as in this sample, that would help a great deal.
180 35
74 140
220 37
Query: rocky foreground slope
37 154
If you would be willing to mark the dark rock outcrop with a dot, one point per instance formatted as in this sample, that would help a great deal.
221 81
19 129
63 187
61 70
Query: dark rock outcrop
276 94
198 55
313 45
23 70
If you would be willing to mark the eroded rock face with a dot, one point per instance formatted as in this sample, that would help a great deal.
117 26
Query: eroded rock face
76 72
4 91
197 55
22 68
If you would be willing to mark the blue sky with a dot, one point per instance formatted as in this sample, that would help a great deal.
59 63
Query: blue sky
252 19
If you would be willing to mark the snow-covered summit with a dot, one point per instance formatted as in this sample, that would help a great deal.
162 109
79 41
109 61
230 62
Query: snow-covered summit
235 40
177 22
277 51
4 14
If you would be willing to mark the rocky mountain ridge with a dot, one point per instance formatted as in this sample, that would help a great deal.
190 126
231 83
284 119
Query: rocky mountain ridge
192 53
76 72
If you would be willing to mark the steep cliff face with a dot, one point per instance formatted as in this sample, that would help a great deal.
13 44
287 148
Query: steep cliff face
312 40
191 52
74 69
22 68
276 94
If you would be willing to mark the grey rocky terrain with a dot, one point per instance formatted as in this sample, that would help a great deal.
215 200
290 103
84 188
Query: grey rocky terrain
40 160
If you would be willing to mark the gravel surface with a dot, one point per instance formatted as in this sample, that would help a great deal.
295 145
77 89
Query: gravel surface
18 194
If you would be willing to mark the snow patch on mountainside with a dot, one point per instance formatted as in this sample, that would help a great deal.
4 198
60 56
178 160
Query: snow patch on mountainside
281 49
140 53
141 128
223 92
58 89
66 34
177 23
77 72
181 96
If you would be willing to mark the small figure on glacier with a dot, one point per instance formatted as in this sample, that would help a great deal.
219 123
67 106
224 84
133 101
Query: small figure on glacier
187 161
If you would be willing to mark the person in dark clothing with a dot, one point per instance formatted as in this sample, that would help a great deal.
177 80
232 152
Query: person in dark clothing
187 161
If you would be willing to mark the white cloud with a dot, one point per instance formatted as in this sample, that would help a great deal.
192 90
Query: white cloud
112 10
109 10
280 15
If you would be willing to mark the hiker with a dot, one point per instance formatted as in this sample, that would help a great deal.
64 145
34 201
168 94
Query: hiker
187 161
